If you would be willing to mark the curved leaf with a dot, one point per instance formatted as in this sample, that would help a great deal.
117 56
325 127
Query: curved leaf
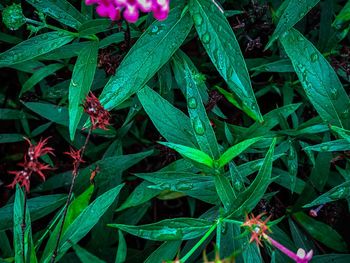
60 10
294 12
35 47
82 78
318 79
223 49
168 229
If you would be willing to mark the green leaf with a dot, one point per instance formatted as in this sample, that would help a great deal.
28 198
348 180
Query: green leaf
11 114
83 75
164 252
339 258
294 12
61 10
171 123
86 221
168 229
191 153
332 146
318 79
141 194
248 199
35 47
28 254
345 134
300 239
38 206
75 208
86 256
10 137
122 248
251 253
223 49
341 191
292 166
281 66
202 129
152 50
271 119
224 191
342 20
39 75
236 150
194 185
94 26
321 232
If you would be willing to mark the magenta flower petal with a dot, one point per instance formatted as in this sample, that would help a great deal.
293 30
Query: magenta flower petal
130 8
131 14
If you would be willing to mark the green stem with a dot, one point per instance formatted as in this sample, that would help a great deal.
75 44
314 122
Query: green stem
74 176
200 242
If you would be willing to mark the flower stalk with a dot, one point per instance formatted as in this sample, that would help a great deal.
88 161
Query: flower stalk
100 119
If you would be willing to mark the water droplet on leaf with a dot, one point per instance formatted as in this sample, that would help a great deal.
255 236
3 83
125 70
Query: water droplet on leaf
198 126
197 19
314 57
206 38
192 103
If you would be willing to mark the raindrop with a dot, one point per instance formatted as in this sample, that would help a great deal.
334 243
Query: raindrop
198 126
183 186
198 20
192 103
154 29
324 148
345 114
206 38
342 192
314 57
334 94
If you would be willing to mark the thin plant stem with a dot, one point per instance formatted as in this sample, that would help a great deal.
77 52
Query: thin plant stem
74 176
200 242
23 225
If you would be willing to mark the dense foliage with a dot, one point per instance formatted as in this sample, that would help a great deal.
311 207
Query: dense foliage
218 133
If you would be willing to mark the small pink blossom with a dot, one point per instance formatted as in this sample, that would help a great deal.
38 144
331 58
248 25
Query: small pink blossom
32 164
300 257
130 8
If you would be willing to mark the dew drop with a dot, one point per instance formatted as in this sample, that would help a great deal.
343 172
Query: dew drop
206 38
154 29
314 57
192 103
183 186
324 148
198 126
334 94
345 114
339 193
197 19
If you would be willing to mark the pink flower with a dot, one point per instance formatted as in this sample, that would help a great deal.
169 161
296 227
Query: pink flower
130 8
300 257
98 115
77 159
31 164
